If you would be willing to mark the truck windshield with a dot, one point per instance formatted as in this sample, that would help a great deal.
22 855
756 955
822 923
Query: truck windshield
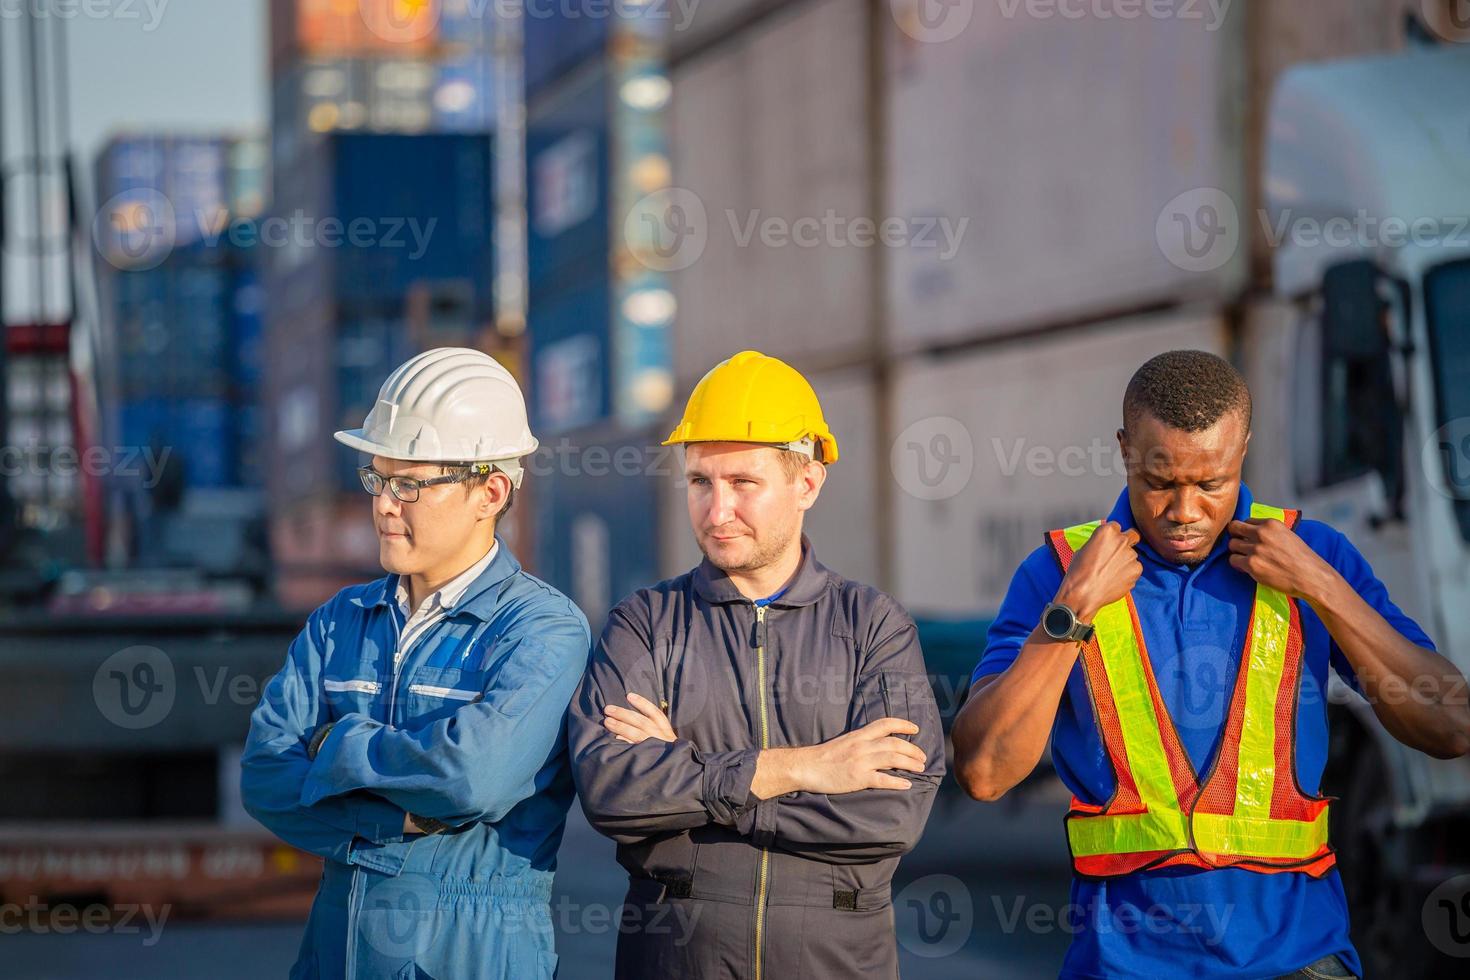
1447 304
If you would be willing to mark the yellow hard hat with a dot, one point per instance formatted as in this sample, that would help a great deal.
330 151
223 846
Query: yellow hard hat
755 398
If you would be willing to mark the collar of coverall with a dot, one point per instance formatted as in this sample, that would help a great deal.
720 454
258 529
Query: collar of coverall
807 585
479 599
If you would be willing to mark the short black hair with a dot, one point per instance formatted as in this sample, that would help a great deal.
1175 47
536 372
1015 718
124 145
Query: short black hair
479 473
1186 389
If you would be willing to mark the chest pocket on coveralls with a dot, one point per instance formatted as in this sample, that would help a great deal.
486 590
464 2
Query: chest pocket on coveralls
438 692
346 695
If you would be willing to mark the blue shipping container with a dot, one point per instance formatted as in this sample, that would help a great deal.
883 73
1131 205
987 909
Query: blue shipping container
556 39
422 206
597 520
567 186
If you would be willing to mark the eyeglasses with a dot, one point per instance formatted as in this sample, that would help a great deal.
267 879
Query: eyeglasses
405 488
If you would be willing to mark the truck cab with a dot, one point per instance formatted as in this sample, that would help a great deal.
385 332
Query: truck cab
1367 341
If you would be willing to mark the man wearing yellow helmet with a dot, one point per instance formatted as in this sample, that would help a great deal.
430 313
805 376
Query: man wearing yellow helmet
759 733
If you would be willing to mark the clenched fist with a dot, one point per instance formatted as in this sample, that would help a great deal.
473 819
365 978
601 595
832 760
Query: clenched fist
1103 572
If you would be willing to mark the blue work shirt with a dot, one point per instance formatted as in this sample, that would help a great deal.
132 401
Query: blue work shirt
467 727
1175 922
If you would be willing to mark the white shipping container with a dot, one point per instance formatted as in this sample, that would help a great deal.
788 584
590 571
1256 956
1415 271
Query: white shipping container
843 526
770 134
994 448
1064 142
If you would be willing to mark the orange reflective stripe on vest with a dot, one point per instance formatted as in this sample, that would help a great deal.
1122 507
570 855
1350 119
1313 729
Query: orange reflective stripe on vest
1248 811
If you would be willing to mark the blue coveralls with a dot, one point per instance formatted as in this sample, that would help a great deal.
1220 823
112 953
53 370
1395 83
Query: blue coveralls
467 730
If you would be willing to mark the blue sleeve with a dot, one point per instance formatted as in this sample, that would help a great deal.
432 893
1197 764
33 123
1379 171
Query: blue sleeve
477 764
274 766
1349 562
1031 588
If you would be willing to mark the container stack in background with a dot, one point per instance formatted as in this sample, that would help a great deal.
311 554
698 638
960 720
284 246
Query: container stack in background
600 310
382 115
1017 333
773 122
181 311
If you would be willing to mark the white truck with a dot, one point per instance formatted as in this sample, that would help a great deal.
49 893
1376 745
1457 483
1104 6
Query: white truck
1360 362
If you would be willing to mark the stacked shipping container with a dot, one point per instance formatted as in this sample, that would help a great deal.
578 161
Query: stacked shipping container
181 300
599 307
1041 217
382 119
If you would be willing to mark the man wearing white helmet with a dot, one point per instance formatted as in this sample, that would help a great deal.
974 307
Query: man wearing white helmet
414 738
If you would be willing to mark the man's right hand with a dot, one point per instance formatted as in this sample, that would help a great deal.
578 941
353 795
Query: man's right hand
848 763
1103 572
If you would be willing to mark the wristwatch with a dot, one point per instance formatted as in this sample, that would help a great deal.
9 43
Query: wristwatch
1060 623
317 738
427 825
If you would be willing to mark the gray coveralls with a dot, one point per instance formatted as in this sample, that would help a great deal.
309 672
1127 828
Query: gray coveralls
722 884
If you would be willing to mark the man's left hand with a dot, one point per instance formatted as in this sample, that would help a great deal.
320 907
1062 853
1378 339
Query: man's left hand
1275 556
633 725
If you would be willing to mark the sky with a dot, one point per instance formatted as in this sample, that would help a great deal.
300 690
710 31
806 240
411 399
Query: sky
138 65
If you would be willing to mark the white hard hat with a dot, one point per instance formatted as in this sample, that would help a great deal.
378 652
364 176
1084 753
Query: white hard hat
448 405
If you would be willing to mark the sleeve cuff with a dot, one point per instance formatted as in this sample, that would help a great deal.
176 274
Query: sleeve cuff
727 779
318 784
758 821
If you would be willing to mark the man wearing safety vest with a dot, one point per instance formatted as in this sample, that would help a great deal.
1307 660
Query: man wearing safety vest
1177 655
758 735
415 737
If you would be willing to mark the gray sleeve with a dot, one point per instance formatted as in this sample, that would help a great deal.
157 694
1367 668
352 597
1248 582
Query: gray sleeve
869 825
631 792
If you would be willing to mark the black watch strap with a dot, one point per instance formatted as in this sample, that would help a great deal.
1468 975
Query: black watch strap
317 738
428 824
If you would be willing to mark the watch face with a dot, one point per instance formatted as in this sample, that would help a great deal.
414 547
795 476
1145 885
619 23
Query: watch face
1058 622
